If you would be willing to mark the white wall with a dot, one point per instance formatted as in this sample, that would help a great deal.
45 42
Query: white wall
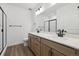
17 16
40 19
68 13
68 18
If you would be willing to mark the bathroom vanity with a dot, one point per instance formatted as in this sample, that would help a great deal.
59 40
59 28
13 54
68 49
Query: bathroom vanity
42 44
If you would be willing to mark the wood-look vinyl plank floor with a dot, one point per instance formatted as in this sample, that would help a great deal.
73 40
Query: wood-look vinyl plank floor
18 50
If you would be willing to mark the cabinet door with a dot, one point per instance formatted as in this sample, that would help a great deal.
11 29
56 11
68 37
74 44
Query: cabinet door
45 50
56 53
32 43
48 51
35 44
37 47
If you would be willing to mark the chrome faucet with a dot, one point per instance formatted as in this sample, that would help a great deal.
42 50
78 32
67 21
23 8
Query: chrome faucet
61 32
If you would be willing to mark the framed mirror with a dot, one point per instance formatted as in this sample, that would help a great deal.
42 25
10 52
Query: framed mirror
68 18
50 25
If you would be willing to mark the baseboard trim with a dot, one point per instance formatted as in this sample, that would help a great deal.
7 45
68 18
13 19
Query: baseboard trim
3 53
14 44
17 43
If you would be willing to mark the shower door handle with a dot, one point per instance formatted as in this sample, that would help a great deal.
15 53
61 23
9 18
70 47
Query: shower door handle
1 30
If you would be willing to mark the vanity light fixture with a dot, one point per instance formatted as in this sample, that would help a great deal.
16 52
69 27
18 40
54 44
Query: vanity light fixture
43 8
39 10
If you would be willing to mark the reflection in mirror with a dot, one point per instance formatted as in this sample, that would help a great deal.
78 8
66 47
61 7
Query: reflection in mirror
50 25
53 25
46 26
68 18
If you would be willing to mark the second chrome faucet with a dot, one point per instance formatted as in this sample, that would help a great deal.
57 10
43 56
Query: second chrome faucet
60 32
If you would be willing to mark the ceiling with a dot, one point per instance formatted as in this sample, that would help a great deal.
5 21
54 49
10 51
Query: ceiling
47 7
33 6
52 9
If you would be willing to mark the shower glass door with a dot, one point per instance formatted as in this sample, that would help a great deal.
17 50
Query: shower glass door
0 30
3 30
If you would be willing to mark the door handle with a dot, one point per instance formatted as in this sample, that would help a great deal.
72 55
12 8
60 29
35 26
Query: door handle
1 30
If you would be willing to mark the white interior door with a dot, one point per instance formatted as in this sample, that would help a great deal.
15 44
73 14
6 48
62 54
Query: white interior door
46 26
52 26
0 31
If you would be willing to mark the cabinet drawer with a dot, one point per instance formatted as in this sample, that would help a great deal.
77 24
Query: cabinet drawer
61 48
37 47
37 38
37 44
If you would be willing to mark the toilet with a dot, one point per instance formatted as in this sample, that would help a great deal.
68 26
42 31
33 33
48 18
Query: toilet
25 41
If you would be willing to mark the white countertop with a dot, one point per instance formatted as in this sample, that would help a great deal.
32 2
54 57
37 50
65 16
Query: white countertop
71 42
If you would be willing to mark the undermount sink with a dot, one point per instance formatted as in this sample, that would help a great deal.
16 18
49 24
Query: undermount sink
54 35
49 35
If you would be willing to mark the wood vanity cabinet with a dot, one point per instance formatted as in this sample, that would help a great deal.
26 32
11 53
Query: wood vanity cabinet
37 46
34 44
59 49
45 50
29 41
56 53
45 47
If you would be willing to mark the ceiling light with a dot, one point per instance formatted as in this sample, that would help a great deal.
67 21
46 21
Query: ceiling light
39 10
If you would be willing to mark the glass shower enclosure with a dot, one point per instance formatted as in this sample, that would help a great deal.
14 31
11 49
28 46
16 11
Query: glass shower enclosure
3 30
